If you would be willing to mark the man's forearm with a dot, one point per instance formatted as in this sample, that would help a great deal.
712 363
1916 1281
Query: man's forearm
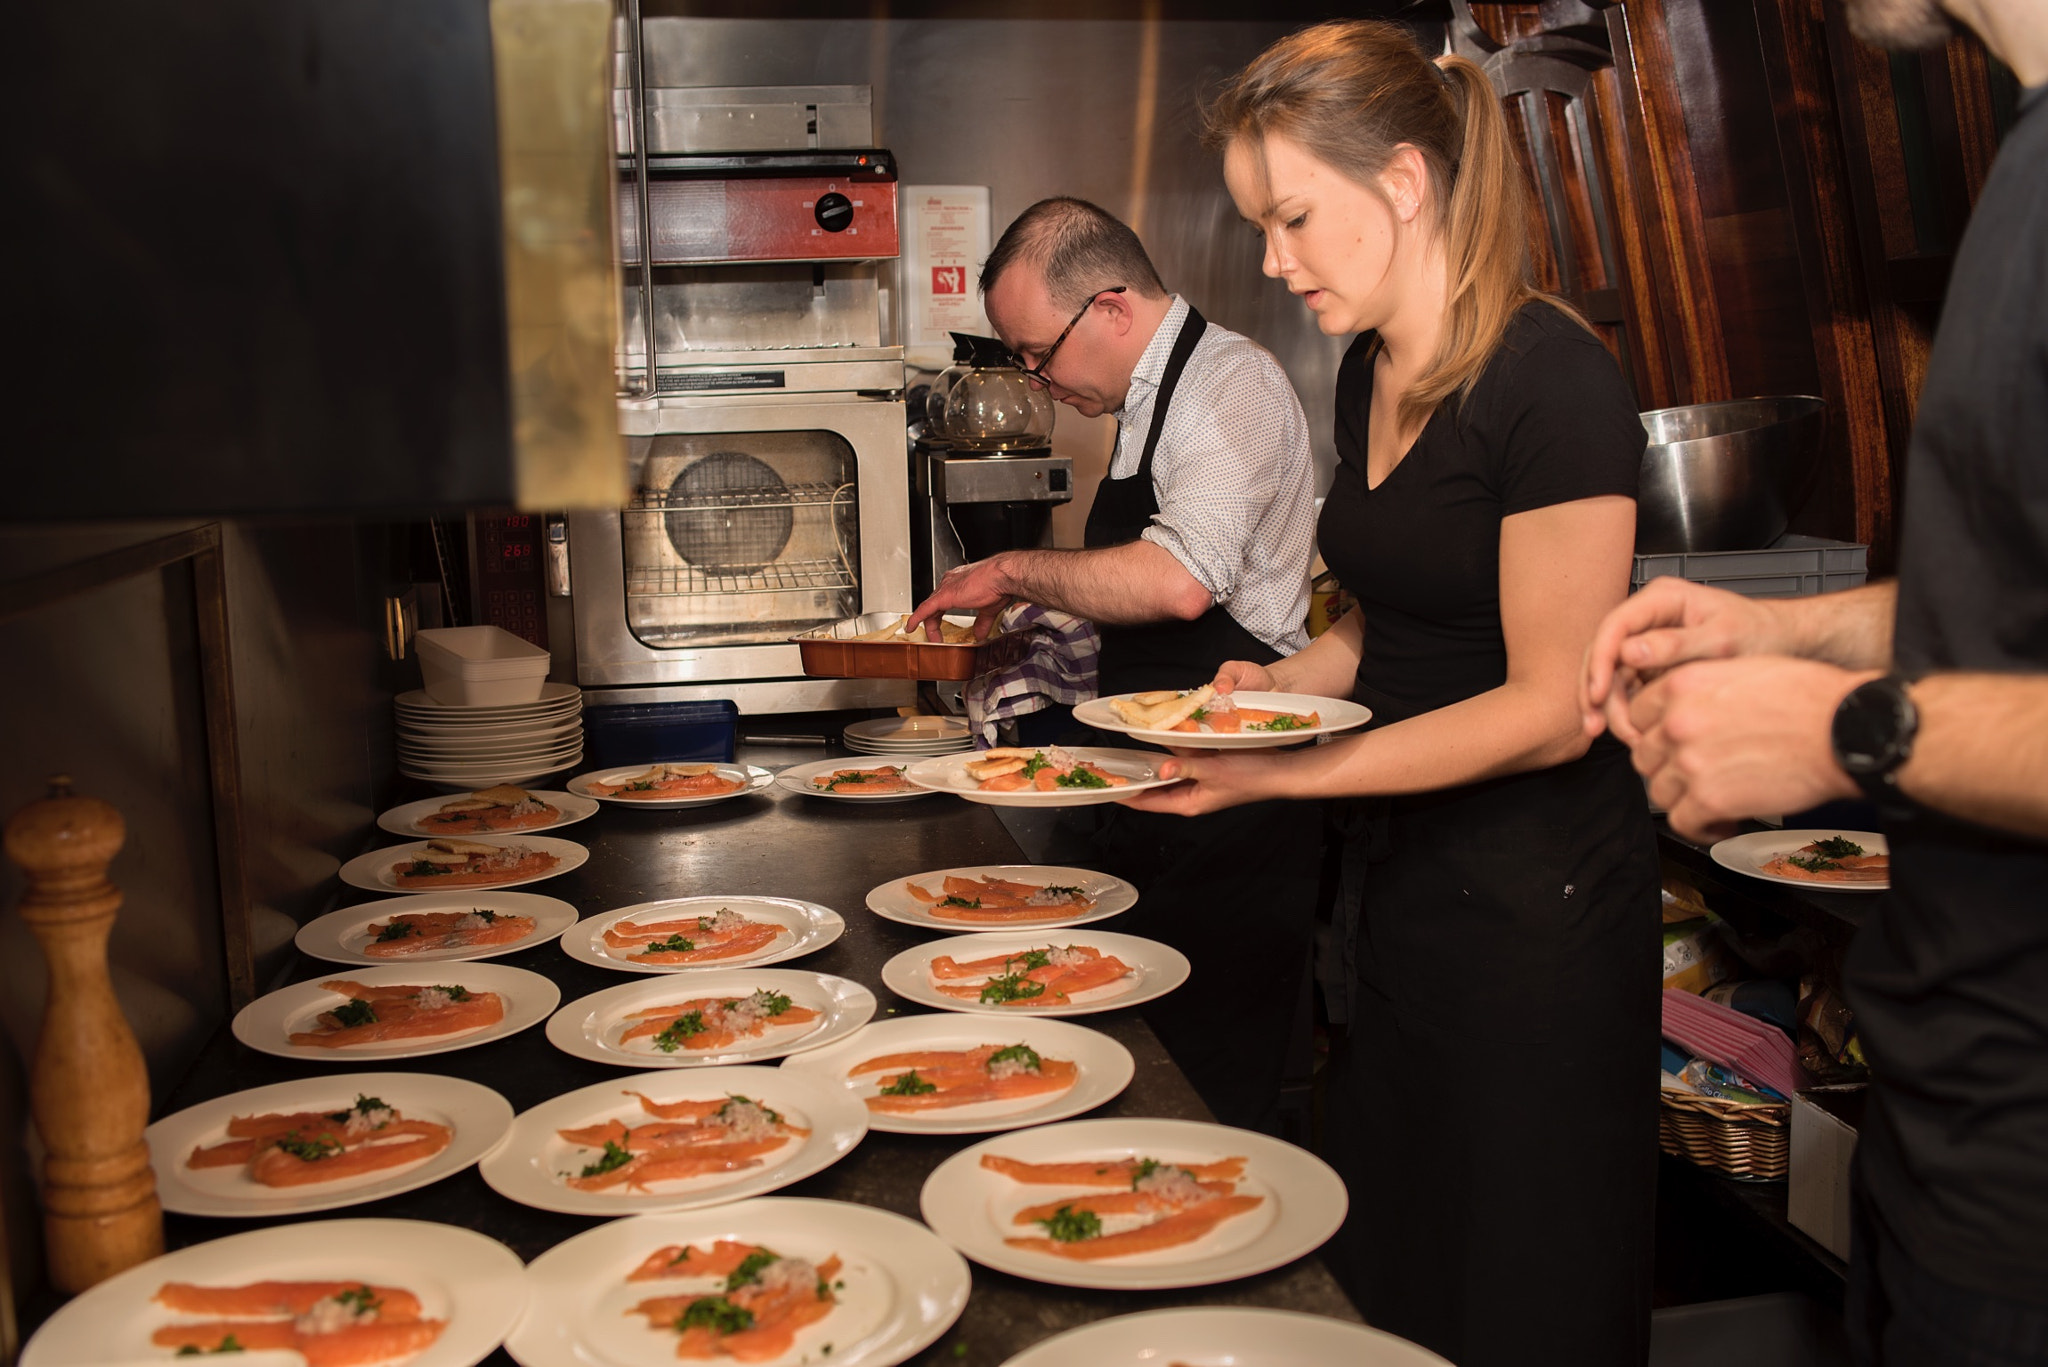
1852 629
1126 585
1982 750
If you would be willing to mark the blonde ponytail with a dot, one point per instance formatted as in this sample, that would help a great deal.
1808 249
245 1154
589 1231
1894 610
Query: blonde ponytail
1352 92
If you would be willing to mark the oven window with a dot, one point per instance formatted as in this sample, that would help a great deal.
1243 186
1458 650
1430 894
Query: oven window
735 538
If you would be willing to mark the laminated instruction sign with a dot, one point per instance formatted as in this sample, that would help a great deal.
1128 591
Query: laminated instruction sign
945 240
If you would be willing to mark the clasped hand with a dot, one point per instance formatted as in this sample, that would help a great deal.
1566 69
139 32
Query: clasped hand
981 587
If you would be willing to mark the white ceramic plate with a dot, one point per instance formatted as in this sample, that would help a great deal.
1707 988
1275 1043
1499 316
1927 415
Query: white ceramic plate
473 1282
1113 896
340 936
589 1027
399 820
528 1166
948 774
479 1116
1338 715
266 1023
810 926
412 726
1103 1067
755 779
901 1287
907 730
542 757
521 774
1749 853
552 696
373 870
797 778
1156 969
970 1207
1225 1336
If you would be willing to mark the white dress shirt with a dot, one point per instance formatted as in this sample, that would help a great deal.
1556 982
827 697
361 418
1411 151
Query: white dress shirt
1232 474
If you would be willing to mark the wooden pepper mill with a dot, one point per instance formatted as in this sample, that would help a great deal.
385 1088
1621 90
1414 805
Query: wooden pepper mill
88 1089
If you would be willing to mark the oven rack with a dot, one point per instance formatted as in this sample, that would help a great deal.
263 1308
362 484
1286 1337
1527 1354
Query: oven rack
667 581
647 500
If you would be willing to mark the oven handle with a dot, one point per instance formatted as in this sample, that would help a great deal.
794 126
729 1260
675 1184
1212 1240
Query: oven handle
558 557
637 70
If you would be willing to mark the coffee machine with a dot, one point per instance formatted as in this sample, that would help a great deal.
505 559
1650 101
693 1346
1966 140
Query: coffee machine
982 463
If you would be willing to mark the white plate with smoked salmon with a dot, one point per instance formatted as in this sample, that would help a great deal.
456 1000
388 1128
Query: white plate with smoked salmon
436 927
849 780
1045 776
669 784
735 1015
396 1011
703 932
1203 719
1033 973
1133 1205
954 1074
1820 861
999 896
818 1281
1225 1333
407 1293
446 863
319 1143
499 810
675 1140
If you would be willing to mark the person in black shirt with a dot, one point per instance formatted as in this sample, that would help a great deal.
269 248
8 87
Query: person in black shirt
1483 514
1930 696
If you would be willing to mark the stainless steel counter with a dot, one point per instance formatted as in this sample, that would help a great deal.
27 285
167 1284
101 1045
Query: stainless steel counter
776 844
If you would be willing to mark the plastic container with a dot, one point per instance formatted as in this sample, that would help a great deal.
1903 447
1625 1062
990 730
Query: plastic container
828 654
1791 567
645 733
480 667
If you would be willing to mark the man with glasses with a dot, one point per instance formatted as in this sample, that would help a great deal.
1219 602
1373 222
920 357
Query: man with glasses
1198 547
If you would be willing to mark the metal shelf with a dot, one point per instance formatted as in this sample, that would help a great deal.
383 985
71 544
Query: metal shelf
669 581
787 496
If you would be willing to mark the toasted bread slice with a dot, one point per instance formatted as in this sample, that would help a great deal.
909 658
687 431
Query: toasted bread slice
504 795
981 770
465 848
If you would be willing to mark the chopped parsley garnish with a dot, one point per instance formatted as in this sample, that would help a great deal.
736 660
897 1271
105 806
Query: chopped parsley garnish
614 1157
674 944
1055 890
642 787
362 1300
489 917
1028 960
1198 714
396 930
1146 1167
682 1257
909 1084
1012 987
1812 863
355 1011
1836 847
679 1030
1286 721
364 1105
1016 1053
769 1003
455 993
717 1314
734 1098
420 866
960 902
1078 777
1068 1225
228 1344
308 1150
1035 763
749 1270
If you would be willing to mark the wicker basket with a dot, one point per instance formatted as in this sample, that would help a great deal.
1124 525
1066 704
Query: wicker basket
1752 1142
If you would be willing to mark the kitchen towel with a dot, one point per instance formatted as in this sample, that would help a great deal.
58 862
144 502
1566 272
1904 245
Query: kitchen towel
1059 667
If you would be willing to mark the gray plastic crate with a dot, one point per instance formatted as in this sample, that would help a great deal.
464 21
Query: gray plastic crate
1791 567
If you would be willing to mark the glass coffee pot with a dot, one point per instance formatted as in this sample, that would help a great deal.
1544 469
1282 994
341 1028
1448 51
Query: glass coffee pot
982 402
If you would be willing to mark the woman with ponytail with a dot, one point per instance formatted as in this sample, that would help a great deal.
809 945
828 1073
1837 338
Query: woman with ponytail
1495 1115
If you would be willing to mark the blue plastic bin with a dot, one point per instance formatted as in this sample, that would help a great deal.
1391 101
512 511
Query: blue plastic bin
643 733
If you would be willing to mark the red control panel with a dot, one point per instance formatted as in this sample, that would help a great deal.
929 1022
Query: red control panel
510 575
792 218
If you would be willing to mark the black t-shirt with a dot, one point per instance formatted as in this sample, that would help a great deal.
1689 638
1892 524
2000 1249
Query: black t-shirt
1550 421
1950 979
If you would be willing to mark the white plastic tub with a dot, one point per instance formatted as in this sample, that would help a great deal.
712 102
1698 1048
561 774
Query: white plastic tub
480 667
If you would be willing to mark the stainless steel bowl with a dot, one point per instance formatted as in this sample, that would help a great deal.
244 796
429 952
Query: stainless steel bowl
1726 476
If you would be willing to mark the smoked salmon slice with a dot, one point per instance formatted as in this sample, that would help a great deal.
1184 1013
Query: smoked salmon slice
422 932
1056 983
688 1260
946 966
330 1324
297 1149
1184 1227
714 1022
755 1320
372 1015
1114 1203
723 1135
1119 1172
935 1079
259 1299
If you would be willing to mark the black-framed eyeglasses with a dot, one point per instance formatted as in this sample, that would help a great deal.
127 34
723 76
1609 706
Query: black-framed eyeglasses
1036 373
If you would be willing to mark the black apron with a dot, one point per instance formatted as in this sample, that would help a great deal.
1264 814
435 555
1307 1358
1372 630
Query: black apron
1235 890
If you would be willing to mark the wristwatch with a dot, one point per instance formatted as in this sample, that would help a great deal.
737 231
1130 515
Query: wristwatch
1873 735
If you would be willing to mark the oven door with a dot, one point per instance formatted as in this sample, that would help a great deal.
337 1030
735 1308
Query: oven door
750 521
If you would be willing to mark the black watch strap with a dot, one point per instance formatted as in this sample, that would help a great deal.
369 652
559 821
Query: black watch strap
1872 735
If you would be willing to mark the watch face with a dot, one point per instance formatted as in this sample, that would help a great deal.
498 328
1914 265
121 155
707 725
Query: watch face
1869 727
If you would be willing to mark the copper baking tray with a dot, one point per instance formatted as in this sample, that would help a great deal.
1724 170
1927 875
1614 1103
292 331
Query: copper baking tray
827 653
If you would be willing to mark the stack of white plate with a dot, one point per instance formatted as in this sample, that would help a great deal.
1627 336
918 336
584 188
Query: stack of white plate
476 747
908 736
